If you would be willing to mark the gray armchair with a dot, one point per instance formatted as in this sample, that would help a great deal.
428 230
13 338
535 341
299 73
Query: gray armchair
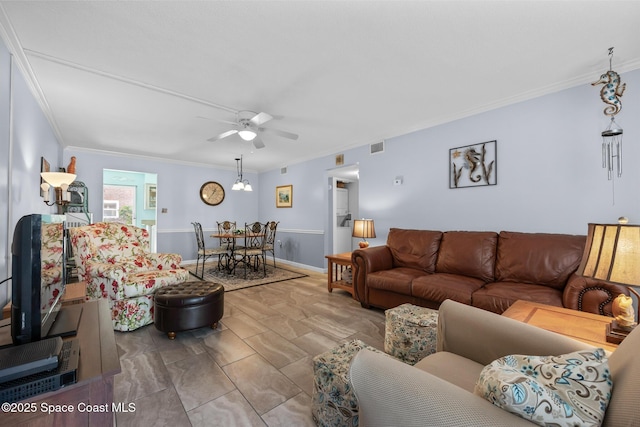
438 390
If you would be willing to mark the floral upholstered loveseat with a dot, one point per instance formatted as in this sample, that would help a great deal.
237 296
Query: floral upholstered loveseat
51 263
116 262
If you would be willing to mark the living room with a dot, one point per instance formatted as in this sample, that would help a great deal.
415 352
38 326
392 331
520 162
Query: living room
548 167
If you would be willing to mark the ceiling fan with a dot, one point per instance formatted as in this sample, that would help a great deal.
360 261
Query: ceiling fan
249 125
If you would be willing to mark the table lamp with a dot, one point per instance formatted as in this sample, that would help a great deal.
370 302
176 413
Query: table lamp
364 228
612 253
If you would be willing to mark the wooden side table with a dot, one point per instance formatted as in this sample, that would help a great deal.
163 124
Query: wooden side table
337 264
579 325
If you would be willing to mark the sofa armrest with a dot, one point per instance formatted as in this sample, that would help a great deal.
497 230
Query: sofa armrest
366 261
483 336
591 295
392 393
163 261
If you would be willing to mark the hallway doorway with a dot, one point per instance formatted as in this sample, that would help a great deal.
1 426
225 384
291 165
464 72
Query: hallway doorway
343 206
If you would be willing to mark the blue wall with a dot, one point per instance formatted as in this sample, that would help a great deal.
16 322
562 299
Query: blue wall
549 170
25 137
550 177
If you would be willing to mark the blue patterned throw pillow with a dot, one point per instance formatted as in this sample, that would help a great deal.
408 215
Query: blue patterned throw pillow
567 390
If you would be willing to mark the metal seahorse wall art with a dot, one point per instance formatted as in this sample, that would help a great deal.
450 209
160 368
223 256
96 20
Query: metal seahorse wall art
611 92
473 160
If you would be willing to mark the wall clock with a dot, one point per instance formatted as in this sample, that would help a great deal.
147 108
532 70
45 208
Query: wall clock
212 193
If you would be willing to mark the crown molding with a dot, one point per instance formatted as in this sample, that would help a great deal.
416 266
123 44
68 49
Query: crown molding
152 158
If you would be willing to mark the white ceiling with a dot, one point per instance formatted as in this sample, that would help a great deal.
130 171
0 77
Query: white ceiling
157 78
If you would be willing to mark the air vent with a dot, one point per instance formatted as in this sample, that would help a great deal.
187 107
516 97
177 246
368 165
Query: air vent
283 171
376 148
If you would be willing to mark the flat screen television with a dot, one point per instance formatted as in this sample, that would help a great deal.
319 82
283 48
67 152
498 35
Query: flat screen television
29 320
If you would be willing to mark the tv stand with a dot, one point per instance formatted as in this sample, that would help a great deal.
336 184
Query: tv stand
66 322
74 293
98 364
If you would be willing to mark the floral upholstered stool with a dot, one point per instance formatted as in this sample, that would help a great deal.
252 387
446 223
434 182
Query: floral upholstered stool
189 305
410 332
333 403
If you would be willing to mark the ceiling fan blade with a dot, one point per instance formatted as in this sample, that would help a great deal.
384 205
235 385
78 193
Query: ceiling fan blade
282 133
217 120
260 119
223 135
257 142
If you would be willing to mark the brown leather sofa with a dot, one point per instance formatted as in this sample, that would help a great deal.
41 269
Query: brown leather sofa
484 269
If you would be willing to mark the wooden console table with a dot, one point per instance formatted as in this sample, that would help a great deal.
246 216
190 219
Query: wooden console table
336 265
579 325
98 364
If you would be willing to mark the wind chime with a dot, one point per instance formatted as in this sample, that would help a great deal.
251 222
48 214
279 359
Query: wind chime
610 94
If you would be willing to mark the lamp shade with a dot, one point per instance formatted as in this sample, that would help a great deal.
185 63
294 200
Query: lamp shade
247 134
364 228
58 179
612 253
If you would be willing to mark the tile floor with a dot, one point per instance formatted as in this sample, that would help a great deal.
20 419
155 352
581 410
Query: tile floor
254 370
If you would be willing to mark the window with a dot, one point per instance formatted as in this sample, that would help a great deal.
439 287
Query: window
110 209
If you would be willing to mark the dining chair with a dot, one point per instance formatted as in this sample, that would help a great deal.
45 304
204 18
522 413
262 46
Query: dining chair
251 254
203 253
227 243
226 227
270 239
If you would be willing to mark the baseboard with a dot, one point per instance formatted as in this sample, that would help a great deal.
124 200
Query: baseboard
298 265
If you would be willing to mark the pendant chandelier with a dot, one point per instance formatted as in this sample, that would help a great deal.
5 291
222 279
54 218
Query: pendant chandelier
241 184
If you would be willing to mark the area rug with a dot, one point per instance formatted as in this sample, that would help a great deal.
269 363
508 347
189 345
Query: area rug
233 282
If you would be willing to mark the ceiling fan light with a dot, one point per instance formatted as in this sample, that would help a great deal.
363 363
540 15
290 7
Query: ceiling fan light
247 134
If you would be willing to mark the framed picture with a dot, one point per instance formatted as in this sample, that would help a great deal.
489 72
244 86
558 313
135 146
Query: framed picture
150 196
44 167
473 165
284 196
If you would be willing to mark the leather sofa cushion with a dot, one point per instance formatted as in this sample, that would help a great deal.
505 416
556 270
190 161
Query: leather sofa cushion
441 286
414 248
468 253
395 280
498 296
542 259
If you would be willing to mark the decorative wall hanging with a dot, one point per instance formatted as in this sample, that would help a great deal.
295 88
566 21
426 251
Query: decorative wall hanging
150 192
284 196
612 90
473 165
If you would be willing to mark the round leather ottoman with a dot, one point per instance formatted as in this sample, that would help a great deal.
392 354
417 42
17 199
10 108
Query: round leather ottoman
188 305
